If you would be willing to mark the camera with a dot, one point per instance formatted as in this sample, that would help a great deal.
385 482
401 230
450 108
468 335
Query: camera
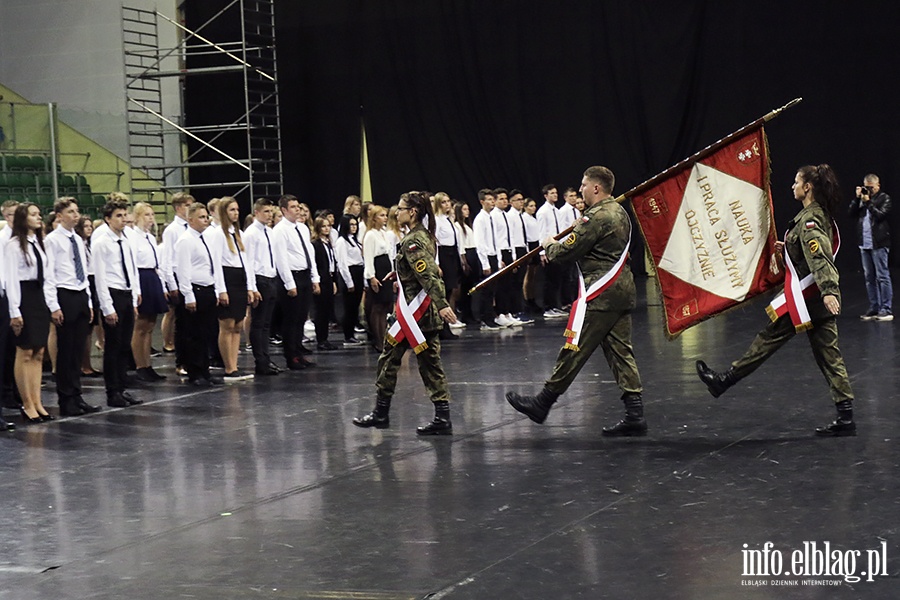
865 190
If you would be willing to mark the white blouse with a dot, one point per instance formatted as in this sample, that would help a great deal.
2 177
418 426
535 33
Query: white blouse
466 237
16 270
377 243
348 253
532 229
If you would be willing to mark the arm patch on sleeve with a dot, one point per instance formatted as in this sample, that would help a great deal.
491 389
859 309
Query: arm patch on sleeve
420 266
813 246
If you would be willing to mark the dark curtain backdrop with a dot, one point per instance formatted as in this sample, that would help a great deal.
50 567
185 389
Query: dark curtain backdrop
456 96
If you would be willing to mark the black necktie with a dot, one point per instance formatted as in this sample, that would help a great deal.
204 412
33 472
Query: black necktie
269 244
155 258
238 248
332 261
522 220
305 251
493 235
209 254
555 220
453 229
79 266
40 263
124 268
506 221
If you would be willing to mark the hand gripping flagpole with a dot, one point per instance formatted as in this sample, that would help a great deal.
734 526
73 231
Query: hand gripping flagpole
689 161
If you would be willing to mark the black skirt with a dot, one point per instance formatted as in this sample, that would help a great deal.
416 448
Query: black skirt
153 299
236 286
536 259
35 316
450 266
385 294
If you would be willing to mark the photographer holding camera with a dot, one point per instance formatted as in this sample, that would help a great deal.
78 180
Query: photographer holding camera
871 208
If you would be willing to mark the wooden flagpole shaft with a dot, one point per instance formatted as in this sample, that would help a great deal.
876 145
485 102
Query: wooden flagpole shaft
712 148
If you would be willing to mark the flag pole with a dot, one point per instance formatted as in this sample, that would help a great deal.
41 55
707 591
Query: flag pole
711 149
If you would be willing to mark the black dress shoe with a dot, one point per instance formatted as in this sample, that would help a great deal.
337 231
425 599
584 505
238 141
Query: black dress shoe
8 426
92 374
215 380
46 418
131 400
87 408
200 382
267 371
116 401
143 374
70 409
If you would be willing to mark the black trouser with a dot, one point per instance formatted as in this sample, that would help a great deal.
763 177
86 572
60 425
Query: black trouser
295 310
351 302
517 298
324 303
261 319
483 300
180 329
505 292
70 339
553 281
117 344
198 324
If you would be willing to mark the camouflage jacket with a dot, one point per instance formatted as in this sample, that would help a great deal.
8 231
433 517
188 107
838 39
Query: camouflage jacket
596 244
417 270
808 242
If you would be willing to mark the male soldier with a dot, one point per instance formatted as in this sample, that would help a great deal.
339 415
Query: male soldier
599 246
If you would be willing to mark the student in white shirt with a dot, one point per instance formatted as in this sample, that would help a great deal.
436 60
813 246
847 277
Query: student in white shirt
532 241
326 264
67 287
348 252
468 256
153 297
448 250
195 270
549 224
6 356
488 261
378 252
171 234
297 264
25 265
518 237
235 285
119 293
504 295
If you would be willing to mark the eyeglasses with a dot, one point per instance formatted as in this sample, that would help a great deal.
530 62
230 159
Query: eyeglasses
399 208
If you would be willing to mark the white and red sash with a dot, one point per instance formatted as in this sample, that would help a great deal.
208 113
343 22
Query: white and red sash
796 290
576 315
406 326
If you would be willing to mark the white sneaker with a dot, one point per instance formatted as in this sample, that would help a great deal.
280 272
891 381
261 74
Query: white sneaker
309 327
503 321
549 314
560 312
513 322
457 325
524 319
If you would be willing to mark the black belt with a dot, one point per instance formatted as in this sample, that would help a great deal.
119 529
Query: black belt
267 278
197 286
300 272
118 291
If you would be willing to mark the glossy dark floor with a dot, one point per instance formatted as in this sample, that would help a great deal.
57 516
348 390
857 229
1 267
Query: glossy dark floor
265 489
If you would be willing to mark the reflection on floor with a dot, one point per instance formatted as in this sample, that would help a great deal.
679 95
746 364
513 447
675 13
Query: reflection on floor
265 489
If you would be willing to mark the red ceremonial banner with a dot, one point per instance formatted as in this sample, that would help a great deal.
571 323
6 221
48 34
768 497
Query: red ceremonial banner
710 231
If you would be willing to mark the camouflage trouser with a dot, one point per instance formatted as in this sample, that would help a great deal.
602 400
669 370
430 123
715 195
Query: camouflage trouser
430 368
612 332
823 339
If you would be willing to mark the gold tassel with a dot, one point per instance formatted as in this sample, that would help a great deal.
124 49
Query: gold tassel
420 347
570 346
390 340
773 316
803 327
569 333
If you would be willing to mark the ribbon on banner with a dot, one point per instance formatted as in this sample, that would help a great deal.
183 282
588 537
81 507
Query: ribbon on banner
406 326
796 291
576 315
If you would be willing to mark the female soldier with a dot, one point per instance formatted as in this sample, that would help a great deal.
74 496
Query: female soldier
420 285
809 250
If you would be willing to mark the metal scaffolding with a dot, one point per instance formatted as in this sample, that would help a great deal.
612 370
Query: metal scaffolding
159 164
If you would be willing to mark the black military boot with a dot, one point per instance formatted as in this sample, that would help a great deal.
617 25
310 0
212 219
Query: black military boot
717 383
843 425
378 418
633 424
440 424
535 408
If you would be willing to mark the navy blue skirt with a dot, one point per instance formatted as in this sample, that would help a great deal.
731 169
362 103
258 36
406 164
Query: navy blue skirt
153 299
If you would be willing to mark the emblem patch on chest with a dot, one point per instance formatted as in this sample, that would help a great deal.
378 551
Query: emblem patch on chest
420 266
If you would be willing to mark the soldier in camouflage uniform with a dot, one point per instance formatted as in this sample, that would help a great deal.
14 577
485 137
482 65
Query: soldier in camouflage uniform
809 245
596 244
417 270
